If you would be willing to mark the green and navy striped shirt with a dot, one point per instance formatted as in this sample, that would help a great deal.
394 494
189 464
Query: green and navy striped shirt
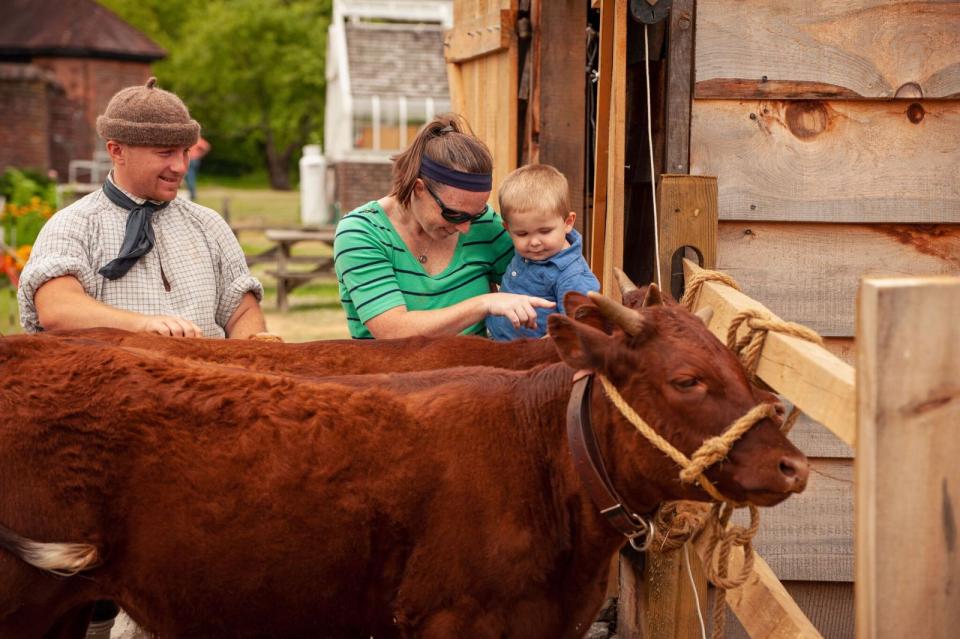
376 272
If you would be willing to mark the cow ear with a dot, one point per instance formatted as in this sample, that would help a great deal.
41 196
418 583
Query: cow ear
581 308
572 301
653 296
580 346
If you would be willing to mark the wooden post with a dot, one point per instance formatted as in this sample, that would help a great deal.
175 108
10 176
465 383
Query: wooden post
679 87
908 446
562 106
605 74
656 598
687 212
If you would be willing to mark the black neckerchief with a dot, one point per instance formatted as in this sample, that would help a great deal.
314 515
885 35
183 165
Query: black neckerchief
138 239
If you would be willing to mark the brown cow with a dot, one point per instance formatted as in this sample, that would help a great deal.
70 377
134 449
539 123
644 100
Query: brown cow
226 503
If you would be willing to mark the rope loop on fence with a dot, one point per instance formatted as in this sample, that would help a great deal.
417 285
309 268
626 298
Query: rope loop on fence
694 283
759 324
749 346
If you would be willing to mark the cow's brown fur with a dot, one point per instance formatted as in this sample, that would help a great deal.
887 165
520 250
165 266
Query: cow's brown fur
231 503
335 357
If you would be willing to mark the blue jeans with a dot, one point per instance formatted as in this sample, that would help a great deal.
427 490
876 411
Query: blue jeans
191 179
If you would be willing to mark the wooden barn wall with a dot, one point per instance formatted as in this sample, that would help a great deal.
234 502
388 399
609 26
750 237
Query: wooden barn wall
482 55
834 131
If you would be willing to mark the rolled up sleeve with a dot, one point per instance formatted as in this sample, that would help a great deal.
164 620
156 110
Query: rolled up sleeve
61 249
234 279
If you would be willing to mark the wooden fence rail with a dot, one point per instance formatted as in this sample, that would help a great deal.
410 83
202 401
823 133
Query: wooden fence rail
907 581
907 384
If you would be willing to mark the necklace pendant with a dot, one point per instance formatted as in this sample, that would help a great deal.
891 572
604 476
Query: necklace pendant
422 259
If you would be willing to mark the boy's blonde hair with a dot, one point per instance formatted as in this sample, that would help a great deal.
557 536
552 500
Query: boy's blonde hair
534 187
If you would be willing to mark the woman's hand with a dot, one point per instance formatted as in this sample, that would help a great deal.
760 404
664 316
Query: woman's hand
521 310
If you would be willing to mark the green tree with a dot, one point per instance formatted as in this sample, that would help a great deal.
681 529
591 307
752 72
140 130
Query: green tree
251 71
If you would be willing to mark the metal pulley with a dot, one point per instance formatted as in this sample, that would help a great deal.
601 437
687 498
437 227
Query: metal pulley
650 11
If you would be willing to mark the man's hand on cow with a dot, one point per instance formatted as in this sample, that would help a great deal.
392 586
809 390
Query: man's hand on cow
521 310
170 325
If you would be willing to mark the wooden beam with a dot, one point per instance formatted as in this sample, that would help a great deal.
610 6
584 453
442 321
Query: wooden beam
679 87
562 91
808 375
907 475
479 36
851 49
829 161
598 222
687 206
458 98
656 599
616 153
763 606
809 273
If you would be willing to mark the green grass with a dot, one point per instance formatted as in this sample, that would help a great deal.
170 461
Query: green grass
9 315
315 311
255 180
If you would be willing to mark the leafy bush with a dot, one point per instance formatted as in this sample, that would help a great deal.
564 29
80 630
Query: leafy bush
30 199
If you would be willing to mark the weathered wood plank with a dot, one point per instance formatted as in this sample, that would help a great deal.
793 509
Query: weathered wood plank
562 87
662 605
816 440
808 273
853 48
829 605
616 151
483 35
908 479
833 161
687 217
809 537
489 85
598 221
806 374
679 87
762 604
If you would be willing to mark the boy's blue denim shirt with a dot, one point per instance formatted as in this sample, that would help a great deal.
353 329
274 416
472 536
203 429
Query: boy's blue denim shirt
550 279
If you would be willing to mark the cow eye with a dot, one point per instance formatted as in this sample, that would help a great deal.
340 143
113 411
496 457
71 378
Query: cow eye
686 383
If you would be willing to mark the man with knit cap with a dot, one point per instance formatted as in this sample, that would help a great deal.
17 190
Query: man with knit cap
133 255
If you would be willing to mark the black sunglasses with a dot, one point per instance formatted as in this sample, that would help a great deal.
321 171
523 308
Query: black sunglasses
454 216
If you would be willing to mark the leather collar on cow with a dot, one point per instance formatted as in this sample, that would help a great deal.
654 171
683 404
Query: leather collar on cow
589 464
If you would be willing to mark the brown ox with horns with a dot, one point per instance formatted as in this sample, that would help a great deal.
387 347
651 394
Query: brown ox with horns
213 502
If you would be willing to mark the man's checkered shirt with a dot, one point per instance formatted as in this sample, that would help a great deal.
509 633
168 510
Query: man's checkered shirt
195 252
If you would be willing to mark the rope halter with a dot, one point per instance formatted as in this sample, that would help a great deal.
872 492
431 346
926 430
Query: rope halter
710 451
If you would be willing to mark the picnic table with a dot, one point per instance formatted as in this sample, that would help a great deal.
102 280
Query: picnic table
283 242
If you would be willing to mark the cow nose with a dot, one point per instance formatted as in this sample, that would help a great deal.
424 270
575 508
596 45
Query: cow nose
795 469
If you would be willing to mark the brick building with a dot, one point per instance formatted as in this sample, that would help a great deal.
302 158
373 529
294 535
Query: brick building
60 62
386 77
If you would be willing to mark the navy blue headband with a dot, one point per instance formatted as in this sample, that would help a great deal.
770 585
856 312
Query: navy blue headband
477 182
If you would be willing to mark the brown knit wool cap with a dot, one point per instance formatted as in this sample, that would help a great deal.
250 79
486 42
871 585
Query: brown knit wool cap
148 116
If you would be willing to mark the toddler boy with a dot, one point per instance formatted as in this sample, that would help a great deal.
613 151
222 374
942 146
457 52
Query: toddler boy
548 259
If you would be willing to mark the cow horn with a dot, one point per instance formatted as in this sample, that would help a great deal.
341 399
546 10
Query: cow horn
653 296
626 285
705 314
629 320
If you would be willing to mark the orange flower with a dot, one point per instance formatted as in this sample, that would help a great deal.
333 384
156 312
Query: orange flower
23 254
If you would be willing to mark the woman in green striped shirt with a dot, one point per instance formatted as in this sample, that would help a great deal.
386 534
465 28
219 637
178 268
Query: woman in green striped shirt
426 259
